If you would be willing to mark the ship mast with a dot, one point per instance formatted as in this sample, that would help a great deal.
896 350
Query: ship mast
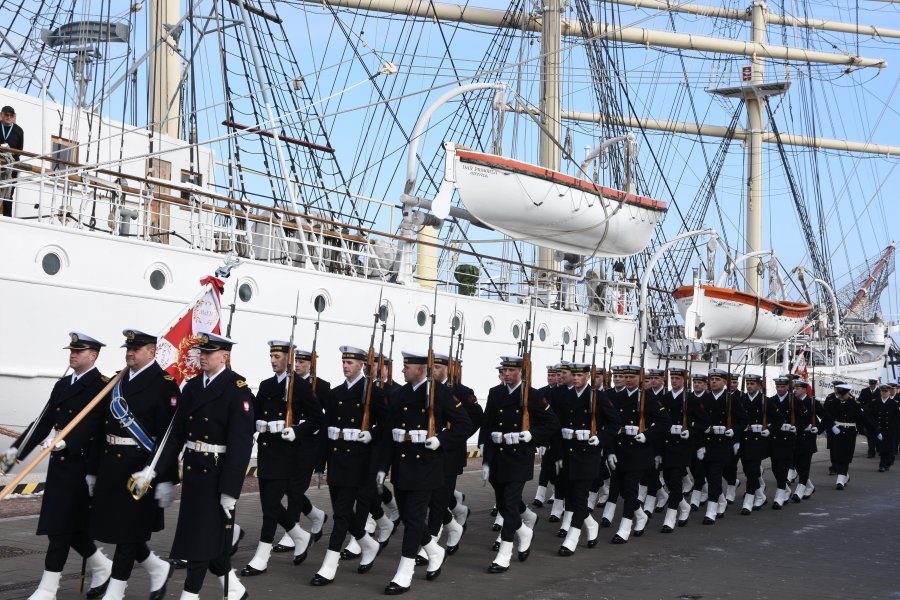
551 81
165 70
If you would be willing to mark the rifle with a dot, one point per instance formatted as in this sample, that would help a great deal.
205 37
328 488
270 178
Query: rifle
457 363
641 421
231 310
429 390
314 359
450 375
526 371
390 373
609 342
380 381
575 342
289 388
728 394
763 387
370 365
583 351
594 390
631 358
689 385
562 350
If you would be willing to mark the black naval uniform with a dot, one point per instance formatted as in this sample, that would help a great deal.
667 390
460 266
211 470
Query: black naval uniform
583 461
352 465
725 411
783 443
679 452
511 465
219 414
866 397
885 416
298 503
806 439
116 518
285 468
657 440
730 470
65 509
847 416
755 447
547 474
420 474
634 458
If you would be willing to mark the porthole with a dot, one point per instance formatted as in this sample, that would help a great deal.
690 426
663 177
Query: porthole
567 337
157 279
542 334
516 330
383 313
455 323
487 326
320 303
245 292
421 317
51 263
587 339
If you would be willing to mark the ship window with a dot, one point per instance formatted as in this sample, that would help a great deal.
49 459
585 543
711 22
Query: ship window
455 323
51 263
320 303
157 279
516 330
383 313
63 150
245 292
542 334
567 337
487 326
421 317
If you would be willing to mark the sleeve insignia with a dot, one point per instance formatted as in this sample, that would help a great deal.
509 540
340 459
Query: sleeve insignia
458 404
241 383
168 377
104 379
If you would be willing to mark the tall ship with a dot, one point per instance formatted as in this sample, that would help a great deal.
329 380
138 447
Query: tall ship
626 181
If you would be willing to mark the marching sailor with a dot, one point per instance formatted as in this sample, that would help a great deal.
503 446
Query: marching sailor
865 398
426 423
633 454
699 385
784 440
806 439
589 426
285 452
726 417
354 418
564 383
847 415
547 474
214 424
651 488
730 471
885 414
65 509
762 418
136 416
509 452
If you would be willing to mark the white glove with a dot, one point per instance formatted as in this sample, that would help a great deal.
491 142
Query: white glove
432 443
364 437
814 430
701 452
379 478
91 481
8 460
541 450
737 448
228 503
593 441
657 460
143 478
559 465
485 472
59 446
764 433
611 462
165 494
786 426
835 429
792 428
808 428
685 434
880 438
288 434
525 437
729 433
261 426
640 438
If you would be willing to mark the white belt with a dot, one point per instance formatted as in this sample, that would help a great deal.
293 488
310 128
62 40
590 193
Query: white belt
114 440
204 447
838 423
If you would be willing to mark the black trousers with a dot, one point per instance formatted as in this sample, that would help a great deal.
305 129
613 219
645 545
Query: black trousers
729 471
780 468
413 505
508 497
297 503
698 472
548 469
673 477
437 506
271 491
196 571
714 470
58 549
802 462
351 510
576 500
651 480
125 556
627 483
753 473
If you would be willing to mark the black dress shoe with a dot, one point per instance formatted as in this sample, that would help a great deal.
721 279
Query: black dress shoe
249 571
298 559
451 550
161 592
831 471
562 533
666 529
494 512
605 522
495 568
319 581
97 592
347 555
317 535
282 548
708 521
523 555
776 506
178 563
496 546
745 511
637 533
720 515
553 519
393 589
796 498
365 568
421 561
617 539
695 507
432 575
563 551
537 503
881 469
659 509
593 542
496 527
681 523
839 486
234 546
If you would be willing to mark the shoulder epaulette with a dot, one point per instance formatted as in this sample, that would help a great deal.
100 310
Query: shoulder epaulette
168 377
241 383
104 379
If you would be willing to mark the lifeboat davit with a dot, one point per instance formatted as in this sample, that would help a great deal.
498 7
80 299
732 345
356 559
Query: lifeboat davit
552 209
717 314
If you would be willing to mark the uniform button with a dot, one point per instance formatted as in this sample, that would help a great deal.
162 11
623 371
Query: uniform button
205 471
352 421
206 418
418 457
59 409
499 424
187 468
191 418
334 449
205 437
118 455
402 455
404 408
423 410
340 403
206 454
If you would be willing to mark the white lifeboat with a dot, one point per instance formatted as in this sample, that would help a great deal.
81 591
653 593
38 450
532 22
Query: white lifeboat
717 314
552 209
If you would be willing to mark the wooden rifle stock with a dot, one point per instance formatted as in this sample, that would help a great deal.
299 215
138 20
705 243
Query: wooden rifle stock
431 387
367 402
289 395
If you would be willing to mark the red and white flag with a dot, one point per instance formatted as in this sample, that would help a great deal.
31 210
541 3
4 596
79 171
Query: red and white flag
177 350
800 367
